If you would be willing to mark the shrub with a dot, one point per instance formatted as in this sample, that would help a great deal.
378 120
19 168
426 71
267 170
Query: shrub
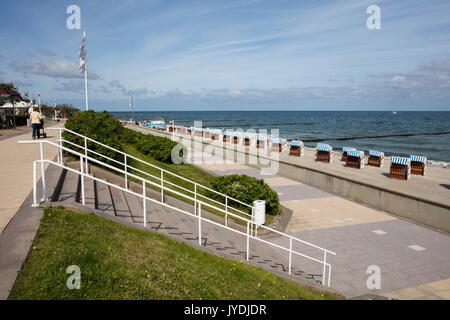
102 127
246 189
105 128
158 148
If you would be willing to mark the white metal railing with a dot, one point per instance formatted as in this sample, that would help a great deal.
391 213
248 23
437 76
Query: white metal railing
252 227
161 178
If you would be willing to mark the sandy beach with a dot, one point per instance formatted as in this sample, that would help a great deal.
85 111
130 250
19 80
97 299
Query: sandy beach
435 185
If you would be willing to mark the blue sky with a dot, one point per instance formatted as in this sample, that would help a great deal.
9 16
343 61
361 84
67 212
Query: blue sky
232 55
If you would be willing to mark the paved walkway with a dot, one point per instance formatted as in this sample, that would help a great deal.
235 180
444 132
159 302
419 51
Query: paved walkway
16 172
414 261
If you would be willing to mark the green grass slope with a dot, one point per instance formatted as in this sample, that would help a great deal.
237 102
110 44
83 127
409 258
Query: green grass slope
117 262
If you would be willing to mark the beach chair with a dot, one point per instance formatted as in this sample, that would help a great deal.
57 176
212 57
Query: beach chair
236 138
261 142
376 158
418 165
400 168
247 140
198 132
215 134
354 159
324 153
296 148
278 144
344 152
207 134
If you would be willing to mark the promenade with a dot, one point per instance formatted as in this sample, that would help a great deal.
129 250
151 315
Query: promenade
16 169
413 260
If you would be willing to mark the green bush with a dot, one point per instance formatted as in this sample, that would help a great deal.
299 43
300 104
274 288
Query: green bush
102 127
105 128
246 189
159 148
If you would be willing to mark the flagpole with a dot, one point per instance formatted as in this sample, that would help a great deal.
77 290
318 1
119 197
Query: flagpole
85 78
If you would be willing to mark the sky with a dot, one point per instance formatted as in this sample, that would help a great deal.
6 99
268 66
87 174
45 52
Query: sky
231 55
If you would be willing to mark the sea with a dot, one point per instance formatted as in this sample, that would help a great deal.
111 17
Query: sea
405 133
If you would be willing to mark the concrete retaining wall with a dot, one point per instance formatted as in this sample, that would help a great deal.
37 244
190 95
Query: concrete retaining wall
421 210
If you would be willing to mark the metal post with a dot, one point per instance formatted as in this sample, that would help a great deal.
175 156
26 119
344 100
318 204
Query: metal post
248 239
226 211
44 197
162 186
290 255
324 266
85 153
125 169
35 203
195 198
83 199
144 200
329 275
199 224
60 143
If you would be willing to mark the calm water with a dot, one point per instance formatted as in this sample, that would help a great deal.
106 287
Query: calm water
365 128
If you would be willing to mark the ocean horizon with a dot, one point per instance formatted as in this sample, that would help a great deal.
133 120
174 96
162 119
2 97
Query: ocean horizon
424 133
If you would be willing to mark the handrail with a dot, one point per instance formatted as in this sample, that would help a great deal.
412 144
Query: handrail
199 203
227 198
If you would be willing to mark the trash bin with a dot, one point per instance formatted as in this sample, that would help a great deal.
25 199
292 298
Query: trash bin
259 212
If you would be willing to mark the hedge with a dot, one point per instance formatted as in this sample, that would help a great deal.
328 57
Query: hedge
246 189
105 128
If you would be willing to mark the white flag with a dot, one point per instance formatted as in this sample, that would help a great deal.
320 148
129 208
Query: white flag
82 53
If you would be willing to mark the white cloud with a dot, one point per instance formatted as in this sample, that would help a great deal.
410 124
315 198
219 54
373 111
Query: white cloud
51 68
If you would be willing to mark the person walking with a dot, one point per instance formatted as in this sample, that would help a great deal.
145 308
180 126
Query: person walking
35 118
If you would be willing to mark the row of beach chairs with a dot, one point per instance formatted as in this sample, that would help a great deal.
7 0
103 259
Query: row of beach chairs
401 168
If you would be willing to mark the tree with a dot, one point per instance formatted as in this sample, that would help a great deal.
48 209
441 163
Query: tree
9 87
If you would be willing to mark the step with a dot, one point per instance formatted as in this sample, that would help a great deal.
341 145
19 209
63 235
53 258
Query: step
120 205
69 187
89 194
103 198
135 207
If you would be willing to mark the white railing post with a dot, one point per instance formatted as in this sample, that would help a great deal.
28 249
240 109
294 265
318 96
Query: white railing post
329 275
144 205
195 198
226 211
83 198
200 224
248 239
35 203
162 186
41 149
126 170
85 153
60 151
290 255
324 266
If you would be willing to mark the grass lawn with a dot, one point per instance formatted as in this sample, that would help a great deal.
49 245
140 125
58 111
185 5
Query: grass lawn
117 262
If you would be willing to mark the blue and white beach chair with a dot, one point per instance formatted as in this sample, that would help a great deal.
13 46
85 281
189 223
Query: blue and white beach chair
400 168
296 148
418 165
355 159
376 158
